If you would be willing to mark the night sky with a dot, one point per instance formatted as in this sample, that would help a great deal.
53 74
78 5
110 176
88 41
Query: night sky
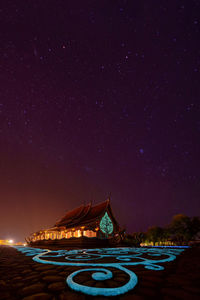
98 97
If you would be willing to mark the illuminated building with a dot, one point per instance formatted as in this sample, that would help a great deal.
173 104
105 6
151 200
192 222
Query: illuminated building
85 224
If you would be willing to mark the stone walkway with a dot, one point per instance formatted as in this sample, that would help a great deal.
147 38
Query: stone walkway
22 278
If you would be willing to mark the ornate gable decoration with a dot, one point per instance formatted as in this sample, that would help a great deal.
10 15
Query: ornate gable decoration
106 224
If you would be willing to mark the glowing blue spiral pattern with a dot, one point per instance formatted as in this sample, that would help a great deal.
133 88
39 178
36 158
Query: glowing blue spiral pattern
122 257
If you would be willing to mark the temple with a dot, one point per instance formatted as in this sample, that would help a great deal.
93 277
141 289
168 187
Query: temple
86 224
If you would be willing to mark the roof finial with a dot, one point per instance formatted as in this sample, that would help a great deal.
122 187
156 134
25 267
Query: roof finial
92 199
109 196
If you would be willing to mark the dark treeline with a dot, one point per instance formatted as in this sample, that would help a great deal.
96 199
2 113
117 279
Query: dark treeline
182 230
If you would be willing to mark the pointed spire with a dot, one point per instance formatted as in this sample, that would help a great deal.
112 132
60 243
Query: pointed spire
109 197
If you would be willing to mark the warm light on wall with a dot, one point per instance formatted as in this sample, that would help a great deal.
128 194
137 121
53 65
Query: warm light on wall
68 235
46 236
77 233
89 233
57 235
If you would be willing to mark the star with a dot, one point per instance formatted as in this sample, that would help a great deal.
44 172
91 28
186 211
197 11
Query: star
141 151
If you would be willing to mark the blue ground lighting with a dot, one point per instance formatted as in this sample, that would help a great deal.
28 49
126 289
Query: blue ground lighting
92 259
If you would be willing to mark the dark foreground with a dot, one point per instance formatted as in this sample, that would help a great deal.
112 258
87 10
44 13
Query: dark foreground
22 278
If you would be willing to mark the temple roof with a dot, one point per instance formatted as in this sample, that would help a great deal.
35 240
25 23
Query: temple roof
84 214
74 215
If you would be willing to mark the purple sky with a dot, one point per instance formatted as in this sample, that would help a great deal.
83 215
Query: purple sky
98 97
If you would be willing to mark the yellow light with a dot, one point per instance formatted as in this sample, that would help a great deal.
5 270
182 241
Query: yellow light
10 241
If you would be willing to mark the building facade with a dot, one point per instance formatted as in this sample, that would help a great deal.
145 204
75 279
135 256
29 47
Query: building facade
90 222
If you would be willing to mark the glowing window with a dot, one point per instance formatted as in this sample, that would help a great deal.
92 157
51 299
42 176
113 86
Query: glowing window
78 233
52 236
68 235
46 236
62 234
89 233
94 234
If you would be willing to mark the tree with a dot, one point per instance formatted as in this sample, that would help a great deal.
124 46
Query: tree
154 234
138 237
179 229
134 239
194 227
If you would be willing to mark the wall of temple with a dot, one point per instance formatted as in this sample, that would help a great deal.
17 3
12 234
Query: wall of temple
56 235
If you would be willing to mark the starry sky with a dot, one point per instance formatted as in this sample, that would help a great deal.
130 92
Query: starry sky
98 97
